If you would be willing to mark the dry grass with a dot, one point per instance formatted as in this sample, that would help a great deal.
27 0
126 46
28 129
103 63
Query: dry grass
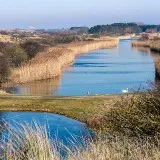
33 143
153 45
2 92
25 142
118 149
141 43
5 38
51 63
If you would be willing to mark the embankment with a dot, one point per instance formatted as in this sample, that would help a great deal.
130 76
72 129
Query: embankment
157 69
154 45
51 63
141 43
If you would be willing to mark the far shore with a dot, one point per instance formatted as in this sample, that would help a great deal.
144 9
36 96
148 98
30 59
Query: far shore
154 46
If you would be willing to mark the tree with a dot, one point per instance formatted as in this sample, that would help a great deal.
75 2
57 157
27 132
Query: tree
32 48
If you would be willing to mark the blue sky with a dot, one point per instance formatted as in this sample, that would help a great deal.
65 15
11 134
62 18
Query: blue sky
67 13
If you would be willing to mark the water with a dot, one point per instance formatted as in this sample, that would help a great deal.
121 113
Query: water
59 127
105 71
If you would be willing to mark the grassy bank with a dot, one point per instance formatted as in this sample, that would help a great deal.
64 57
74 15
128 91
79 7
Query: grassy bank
85 109
131 124
51 63
154 45
141 43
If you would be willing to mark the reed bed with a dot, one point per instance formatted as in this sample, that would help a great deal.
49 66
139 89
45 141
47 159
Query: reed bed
118 149
33 143
51 63
25 142
141 43
153 45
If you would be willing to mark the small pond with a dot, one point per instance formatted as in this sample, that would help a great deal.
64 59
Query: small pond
64 129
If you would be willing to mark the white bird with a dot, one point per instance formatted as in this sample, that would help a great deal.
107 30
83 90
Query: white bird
125 91
88 92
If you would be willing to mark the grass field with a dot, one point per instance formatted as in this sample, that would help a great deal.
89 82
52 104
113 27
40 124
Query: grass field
80 108
135 113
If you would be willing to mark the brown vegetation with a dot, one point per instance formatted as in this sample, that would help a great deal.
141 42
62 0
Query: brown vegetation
32 48
5 38
4 69
153 45
49 64
27 142
141 43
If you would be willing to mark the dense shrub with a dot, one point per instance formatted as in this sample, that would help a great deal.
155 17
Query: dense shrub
47 41
4 69
95 36
138 115
32 47
65 39
14 54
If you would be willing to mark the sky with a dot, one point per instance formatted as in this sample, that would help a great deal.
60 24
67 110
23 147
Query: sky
66 13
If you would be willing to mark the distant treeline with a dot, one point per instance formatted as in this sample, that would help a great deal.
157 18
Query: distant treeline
109 29
150 28
123 28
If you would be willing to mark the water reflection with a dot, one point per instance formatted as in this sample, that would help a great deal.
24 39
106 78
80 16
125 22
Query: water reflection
59 127
145 51
44 87
104 71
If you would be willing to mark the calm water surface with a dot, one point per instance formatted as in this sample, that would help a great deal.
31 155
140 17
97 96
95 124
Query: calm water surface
105 71
59 127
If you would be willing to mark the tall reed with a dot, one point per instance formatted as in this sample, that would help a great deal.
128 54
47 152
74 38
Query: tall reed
51 63
153 45
25 142
141 43
33 143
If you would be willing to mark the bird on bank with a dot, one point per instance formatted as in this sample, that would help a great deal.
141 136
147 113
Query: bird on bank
125 91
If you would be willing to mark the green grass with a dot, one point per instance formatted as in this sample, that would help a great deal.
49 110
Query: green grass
80 108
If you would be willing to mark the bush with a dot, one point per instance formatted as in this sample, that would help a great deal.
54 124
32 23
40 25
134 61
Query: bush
65 39
4 69
32 48
16 56
47 41
138 115
14 53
